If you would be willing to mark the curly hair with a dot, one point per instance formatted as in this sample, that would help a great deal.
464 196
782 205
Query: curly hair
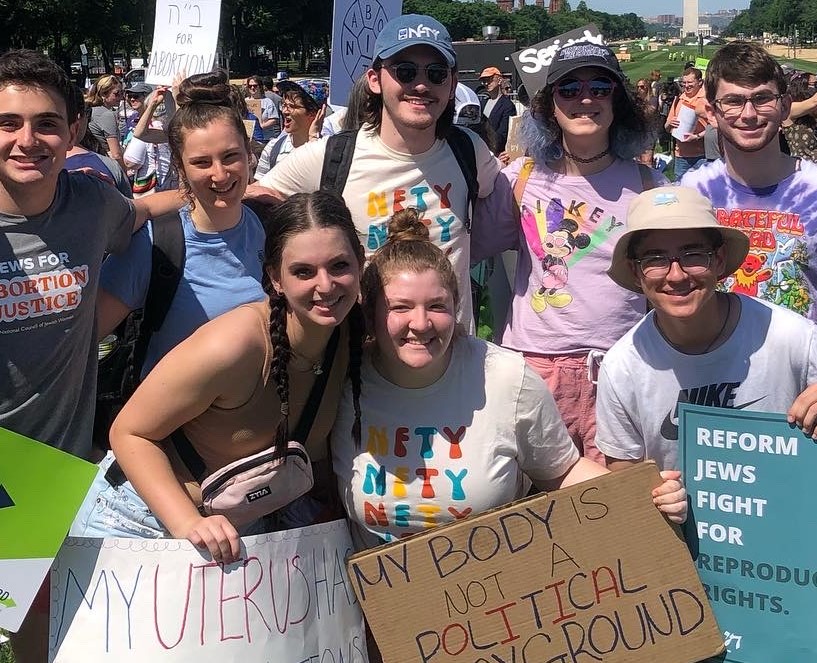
32 69
299 213
203 99
631 132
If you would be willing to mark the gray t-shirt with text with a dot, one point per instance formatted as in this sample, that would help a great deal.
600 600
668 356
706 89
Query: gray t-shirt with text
49 274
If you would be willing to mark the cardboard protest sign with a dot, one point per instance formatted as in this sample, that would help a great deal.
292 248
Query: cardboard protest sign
533 62
185 36
254 106
754 529
513 147
355 26
135 600
590 573
41 489
249 128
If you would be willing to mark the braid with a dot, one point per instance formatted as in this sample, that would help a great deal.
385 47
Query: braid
356 334
280 361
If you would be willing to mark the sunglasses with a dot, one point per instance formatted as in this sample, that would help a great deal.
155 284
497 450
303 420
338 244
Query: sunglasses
406 72
598 88
252 86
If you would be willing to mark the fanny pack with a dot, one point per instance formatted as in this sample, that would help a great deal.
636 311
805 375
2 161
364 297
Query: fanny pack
257 485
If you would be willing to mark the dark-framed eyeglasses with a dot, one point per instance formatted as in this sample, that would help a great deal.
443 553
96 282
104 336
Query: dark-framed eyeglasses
406 72
598 88
732 105
693 262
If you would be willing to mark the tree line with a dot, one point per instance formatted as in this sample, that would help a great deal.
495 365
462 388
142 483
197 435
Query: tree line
280 29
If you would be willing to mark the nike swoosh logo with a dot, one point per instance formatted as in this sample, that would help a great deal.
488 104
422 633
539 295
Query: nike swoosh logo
669 429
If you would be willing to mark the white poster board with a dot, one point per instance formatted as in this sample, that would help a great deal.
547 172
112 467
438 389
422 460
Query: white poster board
355 26
136 600
185 36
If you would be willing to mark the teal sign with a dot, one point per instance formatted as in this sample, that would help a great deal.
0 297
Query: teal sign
753 529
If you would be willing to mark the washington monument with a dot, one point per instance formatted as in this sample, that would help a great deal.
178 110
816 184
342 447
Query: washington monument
690 18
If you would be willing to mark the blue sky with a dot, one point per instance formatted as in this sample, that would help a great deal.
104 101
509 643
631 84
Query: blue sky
654 7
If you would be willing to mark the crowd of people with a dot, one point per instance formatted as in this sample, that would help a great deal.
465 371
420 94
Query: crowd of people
321 290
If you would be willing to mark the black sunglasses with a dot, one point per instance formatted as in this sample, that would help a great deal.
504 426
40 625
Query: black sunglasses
406 72
598 88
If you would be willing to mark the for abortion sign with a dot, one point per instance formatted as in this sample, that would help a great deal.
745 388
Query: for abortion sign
185 36
287 599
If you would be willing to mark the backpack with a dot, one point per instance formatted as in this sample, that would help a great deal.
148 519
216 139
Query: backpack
340 148
120 370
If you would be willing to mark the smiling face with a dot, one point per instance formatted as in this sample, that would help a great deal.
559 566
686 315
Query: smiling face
414 323
215 164
418 104
319 276
679 294
34 136
585 116
751 129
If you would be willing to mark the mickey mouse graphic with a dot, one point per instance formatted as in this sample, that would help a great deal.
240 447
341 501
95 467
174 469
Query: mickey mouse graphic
560 240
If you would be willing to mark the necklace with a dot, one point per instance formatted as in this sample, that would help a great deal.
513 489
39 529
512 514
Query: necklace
712 343
723 326
315 366
573 157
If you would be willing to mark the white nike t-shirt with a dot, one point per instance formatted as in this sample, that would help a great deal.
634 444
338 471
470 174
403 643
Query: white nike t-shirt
769 359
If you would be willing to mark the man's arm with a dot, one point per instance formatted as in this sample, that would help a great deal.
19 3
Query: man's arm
156 205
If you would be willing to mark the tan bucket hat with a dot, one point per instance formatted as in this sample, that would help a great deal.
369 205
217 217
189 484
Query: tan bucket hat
672 208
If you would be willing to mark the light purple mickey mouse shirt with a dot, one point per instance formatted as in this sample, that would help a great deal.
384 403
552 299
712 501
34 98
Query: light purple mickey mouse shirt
563 300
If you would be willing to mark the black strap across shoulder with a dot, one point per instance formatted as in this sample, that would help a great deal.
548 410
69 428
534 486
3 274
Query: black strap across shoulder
337 160
340 148
167 266
193 461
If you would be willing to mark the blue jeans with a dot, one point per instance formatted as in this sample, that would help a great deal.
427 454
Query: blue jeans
119 511
683 164
115 511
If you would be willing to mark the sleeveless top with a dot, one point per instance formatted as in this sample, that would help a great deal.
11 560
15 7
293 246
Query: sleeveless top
222 436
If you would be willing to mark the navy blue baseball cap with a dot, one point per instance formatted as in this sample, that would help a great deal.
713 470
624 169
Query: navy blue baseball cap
411 30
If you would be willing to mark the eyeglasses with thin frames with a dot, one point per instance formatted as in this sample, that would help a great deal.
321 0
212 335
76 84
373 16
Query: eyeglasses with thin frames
732 105
405 72
693 262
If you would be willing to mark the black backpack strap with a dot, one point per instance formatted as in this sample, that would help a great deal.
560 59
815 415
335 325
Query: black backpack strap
167 265
463 149
193 461
302 430
337 160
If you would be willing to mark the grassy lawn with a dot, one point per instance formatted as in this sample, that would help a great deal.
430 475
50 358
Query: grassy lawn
643 62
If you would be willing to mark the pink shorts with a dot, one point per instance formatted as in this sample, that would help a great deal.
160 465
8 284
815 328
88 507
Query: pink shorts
572 383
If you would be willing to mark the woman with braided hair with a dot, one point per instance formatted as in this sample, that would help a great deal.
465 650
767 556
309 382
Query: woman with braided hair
241 382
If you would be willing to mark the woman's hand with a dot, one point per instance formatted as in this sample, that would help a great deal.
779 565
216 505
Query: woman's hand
671 497
217 535
317 124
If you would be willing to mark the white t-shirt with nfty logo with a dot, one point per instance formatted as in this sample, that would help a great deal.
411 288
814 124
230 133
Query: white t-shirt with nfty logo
460 446
383 181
